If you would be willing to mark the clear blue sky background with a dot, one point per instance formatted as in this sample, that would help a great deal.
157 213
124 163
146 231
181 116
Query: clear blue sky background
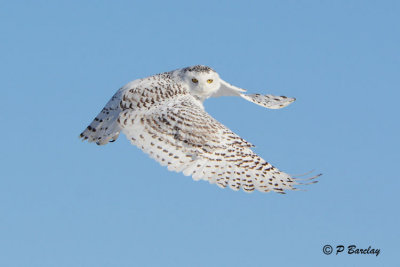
68 203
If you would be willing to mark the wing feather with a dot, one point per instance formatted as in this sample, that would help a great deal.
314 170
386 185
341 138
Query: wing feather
269 101
104 128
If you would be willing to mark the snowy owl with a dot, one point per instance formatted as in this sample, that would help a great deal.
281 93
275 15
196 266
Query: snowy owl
164 116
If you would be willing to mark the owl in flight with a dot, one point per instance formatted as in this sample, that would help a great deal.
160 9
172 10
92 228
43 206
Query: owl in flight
164 116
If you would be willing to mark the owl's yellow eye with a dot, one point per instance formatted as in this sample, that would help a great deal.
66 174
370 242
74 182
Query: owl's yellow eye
194 80
210 80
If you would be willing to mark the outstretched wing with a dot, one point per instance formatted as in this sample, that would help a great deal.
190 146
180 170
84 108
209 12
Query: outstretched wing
267 101
177 132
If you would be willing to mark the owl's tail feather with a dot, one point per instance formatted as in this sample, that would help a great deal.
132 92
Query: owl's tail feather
103 129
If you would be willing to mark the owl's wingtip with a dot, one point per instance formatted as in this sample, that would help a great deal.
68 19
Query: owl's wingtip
306 181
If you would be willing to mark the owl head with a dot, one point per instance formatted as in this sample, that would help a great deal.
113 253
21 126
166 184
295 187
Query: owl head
201 80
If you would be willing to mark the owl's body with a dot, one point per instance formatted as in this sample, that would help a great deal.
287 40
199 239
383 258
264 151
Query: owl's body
164 116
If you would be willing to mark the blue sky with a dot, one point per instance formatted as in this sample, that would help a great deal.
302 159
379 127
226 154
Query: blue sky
68 203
